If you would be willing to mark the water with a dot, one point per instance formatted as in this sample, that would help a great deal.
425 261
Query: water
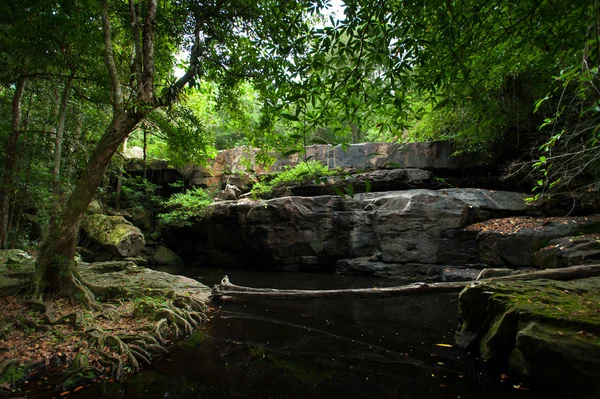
326 348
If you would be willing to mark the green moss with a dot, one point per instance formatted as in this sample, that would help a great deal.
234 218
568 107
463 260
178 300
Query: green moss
500 337
13 375
560 303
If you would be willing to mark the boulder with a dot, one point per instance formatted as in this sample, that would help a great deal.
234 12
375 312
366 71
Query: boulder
126 279
164 256
229 193
545 332
114 233
403 226
95 207
140 217
567 251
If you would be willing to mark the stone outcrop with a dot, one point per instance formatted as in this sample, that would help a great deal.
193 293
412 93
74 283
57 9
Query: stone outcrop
377 180
309 232
545 332
114 233
431 155
513 242
569 251
241 166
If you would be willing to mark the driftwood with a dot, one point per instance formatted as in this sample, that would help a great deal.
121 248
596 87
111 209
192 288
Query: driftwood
226 291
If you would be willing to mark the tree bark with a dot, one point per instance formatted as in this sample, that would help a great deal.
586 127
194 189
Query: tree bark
54 266
120 178
226 291
11 150
60 129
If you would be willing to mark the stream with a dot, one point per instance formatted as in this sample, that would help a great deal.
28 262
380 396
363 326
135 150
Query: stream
326 348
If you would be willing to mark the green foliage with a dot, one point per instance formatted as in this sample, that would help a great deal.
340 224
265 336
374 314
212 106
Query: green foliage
185 208
304 171
139 192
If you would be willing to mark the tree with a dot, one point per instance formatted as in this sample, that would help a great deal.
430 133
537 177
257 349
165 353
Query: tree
226 40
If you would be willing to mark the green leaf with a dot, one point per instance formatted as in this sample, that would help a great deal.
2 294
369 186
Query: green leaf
290 117
289 152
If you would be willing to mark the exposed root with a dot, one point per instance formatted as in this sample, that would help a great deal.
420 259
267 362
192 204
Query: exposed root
7 365
133 348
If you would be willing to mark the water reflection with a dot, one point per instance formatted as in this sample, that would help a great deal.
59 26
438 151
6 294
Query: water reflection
326 348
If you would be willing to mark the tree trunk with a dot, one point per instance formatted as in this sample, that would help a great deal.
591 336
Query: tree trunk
54 267
11 150
120 179
227 291
62 116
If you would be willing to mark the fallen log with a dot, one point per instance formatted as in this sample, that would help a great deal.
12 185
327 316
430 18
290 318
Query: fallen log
225 291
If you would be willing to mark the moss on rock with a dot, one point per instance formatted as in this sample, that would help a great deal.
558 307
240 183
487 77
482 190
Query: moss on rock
545 331
114 233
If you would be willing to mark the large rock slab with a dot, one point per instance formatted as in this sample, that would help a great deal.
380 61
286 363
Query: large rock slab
568 251
546 332
126 279
289 232
114 233
513 242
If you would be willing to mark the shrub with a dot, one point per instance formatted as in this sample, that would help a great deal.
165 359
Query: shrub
305 171
185 208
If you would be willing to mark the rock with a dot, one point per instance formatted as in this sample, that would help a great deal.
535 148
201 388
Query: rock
16 270
95 207
517 248
403 226
133 152
140 217
140 261
378 180
451 273
545 332
164 256
127 279
114 233
433 155
230 193
86 254
567 251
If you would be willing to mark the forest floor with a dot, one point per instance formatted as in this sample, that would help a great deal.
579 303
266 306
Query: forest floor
58 346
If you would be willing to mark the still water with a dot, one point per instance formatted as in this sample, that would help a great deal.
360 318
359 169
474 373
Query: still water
325 348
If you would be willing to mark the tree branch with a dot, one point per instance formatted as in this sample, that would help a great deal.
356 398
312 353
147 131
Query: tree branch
147 92
136 53
109 60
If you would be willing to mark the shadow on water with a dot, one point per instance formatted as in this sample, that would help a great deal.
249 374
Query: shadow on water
326 348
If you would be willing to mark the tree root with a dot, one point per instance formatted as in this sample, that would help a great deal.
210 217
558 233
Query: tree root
182 315
133 348
8 364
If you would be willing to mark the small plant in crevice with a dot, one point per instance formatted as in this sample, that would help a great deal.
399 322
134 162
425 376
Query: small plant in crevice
305 171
